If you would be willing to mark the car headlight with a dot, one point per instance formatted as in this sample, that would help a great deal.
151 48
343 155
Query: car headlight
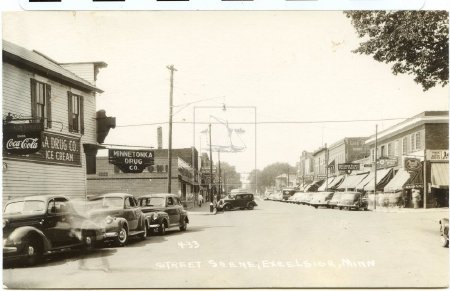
109 219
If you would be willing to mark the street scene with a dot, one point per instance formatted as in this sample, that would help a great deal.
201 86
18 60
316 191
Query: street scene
240 152
276 244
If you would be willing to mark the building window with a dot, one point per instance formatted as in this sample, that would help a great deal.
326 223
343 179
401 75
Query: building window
76 113
405 146
41 102
390 150
412 143
418 141
383 151
396 148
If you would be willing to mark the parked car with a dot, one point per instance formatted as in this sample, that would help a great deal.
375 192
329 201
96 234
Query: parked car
352 200
321 199
165 211
306 198
287 192
240 201
334 201
444 231
36 226
121 216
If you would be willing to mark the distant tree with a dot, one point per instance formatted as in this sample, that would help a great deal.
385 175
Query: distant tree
266 177
230 176
416 42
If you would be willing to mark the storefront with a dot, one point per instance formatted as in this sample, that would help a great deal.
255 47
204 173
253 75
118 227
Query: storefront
50 111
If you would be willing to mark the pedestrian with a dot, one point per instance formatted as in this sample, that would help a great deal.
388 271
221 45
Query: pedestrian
200 200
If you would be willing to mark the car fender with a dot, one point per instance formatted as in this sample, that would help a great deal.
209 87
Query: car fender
117 223
19 234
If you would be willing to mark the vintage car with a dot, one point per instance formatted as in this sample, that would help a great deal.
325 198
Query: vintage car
444 231
240 201
164 211
335 200
121 216
287 192
352 200
306 198
36 226
321 199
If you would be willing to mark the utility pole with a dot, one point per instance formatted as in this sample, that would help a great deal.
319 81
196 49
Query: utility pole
211 180
169 172
220 178
375 179
327 158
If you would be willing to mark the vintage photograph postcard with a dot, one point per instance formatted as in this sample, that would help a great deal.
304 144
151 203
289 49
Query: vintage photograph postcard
225 149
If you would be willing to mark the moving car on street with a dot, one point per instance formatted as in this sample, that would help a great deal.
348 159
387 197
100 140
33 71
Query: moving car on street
444 232
164 211
321 199
352 200
36 226
121 216
240 201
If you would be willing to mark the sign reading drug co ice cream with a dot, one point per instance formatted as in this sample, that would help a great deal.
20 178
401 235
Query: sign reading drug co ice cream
131 161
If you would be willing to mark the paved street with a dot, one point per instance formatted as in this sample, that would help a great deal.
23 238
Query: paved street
275 245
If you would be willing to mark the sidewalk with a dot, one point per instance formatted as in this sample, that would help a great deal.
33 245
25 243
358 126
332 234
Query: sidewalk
203 210
409 210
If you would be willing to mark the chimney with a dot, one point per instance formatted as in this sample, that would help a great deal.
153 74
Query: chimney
159 130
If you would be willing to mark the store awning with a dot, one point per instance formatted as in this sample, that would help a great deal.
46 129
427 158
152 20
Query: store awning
398 182
313 185
352 181
324 185
336 182
439 174
382 176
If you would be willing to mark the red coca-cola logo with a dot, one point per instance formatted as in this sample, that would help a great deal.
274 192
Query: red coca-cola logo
27 143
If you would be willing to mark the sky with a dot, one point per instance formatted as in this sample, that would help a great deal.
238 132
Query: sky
275 66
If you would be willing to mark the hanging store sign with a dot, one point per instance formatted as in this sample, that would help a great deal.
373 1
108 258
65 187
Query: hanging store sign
412 164
57 149
437 155
348 167
131 161
383 163
22 138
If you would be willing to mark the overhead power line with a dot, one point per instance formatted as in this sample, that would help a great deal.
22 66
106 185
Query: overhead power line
269 122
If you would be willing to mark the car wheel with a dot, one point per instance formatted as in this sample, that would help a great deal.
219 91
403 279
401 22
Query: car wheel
250 207
122 237
33 253
228 207
183 226
162 229
444 241
145 233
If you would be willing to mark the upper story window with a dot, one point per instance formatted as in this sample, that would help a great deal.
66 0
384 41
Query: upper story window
404 145
418 141
412 142
41 106
76 112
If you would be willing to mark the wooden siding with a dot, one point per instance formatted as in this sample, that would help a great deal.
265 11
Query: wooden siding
85 71
22 178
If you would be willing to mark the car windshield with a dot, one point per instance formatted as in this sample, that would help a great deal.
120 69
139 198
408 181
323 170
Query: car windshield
105 202
28 206
152 201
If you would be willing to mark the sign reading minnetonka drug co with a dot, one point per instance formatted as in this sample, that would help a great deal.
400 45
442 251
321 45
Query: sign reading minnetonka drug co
131 161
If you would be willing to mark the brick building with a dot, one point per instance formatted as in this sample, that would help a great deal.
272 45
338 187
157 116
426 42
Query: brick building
109 178
421 140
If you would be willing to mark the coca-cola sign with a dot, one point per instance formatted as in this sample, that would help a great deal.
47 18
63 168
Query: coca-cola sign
22 138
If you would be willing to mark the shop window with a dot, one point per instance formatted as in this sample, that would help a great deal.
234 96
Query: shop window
41 102
76 113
